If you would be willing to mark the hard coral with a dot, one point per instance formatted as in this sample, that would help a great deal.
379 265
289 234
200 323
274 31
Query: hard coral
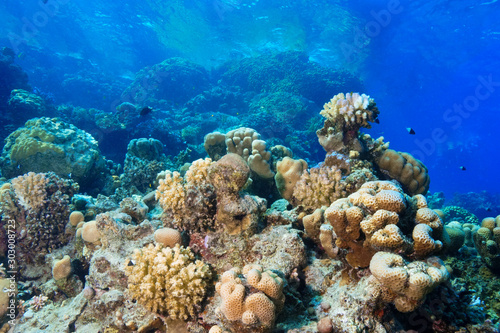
406 169
406 284
39 203
168 281
257 309
190 200
351 110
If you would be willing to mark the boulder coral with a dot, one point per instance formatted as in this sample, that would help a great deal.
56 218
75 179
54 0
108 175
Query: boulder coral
168 281
487 242
406 283
143 161
47 144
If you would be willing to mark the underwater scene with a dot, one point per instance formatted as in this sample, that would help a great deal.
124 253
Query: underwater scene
249 166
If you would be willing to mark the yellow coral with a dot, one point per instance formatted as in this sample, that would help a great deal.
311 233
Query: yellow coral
168 281
30 190
171 193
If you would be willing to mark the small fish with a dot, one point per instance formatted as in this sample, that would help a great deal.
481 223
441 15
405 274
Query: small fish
463 168
145 110
410 131
377 121
488 209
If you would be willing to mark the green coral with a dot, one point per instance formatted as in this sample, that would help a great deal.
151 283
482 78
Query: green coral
168 281
456 213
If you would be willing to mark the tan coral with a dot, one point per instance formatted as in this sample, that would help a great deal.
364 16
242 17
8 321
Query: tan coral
424 243
168 281
30 190
75 218
288 174
407 282
260 307
247 143
407 170
390 237
168 237
61 268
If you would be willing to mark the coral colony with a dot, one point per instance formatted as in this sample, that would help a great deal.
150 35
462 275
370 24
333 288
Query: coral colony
246 238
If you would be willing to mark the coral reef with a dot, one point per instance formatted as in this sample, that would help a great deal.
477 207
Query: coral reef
174 79
487 242
143 161
45 144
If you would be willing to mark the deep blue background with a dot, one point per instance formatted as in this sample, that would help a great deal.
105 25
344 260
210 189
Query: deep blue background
417 59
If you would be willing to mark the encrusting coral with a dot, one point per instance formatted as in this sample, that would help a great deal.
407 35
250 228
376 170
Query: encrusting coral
168 281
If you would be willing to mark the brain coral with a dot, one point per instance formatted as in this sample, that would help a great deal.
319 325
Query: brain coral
168 281
46 144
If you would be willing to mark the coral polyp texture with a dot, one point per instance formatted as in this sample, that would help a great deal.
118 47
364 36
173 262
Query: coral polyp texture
403 167
168 281
209 196
39 205
250 299
351 110
48 144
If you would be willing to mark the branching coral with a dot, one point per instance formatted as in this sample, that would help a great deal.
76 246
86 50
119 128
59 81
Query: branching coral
190 200
351 110
168 281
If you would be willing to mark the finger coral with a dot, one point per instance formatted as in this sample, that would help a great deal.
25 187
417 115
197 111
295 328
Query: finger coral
168 281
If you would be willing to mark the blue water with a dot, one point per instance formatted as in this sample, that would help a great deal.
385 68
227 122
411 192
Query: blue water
432 66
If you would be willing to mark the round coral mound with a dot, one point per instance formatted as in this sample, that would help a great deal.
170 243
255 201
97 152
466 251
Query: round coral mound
47 144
